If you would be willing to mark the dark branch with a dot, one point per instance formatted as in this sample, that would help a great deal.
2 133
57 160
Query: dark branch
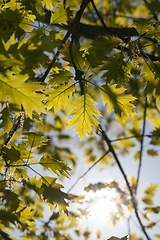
107 140
104 25
142 140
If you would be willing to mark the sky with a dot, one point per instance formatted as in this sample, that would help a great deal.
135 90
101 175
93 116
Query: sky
103 173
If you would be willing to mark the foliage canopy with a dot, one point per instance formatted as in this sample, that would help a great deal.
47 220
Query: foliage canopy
92 66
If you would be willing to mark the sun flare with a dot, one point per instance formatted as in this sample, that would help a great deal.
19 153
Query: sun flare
101 204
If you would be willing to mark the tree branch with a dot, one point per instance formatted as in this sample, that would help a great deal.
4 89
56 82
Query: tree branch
141 146
92 31
106 139
130 137
104 25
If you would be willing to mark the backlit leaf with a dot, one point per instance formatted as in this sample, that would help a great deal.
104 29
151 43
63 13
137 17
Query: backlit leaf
11 154
84 116
120 103
61 77
61 15
59 96
95 187
34 140
6 119
117 69
154 31
116 238
153 209
20 92
52 193
152 76
152 152
58 167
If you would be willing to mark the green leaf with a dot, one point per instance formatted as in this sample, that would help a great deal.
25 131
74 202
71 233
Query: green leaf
155 210
78 55
142 25
152 152
137 155
61 15
95 187
157 236
8 217
59 96
61 77
27 213
11 154
12 200
84 116
116 238
6 119
51 192
20 92
152 76
152 189
34 140
105 44
49 3
156 136
149 194
117 69
21 173
150 225
147 199
58 167
154 31
98 50
120 103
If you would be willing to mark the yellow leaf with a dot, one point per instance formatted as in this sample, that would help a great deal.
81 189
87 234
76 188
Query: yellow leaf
20 92
59 96
120 103
84 116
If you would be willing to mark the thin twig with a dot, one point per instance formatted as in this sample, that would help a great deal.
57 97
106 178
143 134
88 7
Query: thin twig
130 137
95 163
107 140
141 146
104 25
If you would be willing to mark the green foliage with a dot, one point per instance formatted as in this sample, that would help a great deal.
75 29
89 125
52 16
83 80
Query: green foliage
55 165
60 70
116 238
120 103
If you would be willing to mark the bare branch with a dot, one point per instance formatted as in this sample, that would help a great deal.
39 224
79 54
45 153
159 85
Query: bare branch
131 137
107 140
141 146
